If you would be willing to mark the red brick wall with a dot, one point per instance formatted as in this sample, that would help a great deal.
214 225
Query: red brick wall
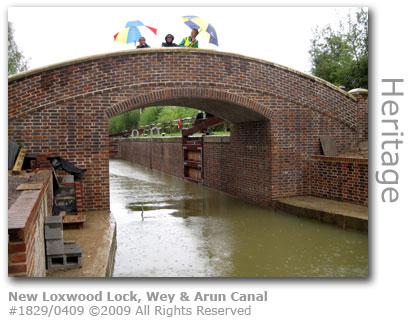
114 145
237 165
26 248
241 167
162 154
362 114
64 110
136 151
338 178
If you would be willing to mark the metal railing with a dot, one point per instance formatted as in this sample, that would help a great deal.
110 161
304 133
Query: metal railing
161 127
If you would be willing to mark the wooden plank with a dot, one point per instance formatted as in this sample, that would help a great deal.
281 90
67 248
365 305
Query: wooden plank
56 178
193 155
29 186
20 159
74 219
194 173
205 124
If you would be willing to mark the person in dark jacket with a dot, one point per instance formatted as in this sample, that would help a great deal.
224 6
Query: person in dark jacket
142 43
169 41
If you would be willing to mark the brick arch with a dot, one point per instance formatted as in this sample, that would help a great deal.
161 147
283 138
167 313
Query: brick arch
279 113
265 83
230 107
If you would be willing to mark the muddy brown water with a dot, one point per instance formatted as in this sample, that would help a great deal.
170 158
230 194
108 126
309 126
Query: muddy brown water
167 227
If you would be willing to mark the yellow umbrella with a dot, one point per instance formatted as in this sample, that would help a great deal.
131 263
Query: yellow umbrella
205 29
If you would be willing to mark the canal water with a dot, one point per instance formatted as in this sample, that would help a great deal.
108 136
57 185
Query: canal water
170 228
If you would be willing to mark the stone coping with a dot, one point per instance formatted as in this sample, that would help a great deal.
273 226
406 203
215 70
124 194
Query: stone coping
343 214
358 91
217 139
156 139
338 159
207 139
28 202
154 50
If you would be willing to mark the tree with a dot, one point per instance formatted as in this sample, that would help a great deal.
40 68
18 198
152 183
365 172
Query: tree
170 113
16 60
149 115
341 57
134 119
125 121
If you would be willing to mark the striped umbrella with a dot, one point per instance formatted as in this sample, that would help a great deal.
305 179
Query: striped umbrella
206 30
131 32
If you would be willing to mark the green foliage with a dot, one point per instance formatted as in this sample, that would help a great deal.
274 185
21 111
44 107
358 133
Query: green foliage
341 57
134 119
125 121
16 61
220 129
149 116
173 113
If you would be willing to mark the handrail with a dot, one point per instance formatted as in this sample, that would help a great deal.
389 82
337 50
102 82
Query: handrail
157 126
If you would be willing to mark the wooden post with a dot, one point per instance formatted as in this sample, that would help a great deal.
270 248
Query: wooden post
20 160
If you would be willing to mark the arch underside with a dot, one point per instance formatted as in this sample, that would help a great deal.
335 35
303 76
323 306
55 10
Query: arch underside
228 111
233 108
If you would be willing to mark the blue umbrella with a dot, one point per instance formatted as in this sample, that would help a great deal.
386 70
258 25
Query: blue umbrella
131 32
205 29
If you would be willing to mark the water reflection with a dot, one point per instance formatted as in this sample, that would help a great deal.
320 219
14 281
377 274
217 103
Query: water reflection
170 228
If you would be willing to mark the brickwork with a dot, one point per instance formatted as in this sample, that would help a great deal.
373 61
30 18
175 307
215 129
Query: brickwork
114 144
241 167
362 112
337 178
161 154
278 113
26 252
238 166
167 156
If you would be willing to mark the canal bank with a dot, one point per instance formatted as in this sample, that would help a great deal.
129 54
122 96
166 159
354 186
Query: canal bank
31 200
97 239
342 214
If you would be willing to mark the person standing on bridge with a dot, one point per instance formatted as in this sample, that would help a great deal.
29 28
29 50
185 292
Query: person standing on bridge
191 40
169 41
142 43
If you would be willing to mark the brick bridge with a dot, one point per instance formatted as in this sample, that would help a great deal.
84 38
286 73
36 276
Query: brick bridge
277 114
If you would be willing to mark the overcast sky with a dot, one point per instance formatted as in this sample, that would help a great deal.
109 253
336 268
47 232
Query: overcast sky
49 35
